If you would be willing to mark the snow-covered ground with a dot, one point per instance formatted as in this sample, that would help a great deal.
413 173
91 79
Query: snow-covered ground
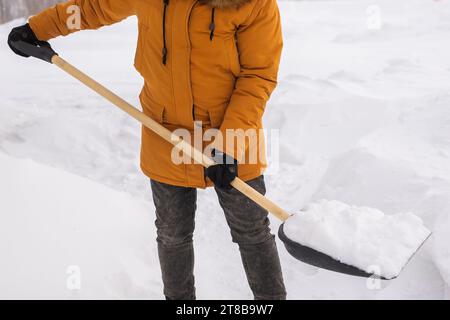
364 118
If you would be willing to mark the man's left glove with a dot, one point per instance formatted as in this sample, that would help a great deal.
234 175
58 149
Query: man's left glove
25 34
224 172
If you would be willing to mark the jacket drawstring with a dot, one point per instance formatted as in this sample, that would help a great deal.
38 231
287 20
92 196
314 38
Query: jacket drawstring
164 50
212 28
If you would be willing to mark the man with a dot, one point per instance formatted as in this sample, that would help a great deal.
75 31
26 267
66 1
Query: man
206 64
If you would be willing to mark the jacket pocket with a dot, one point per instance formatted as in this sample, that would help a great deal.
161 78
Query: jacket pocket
139 55
216 115
233 56
157 111
154 110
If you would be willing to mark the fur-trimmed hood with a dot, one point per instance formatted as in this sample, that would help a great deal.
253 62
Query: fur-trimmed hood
222 4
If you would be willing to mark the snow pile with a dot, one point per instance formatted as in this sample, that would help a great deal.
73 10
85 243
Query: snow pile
63 236
359 236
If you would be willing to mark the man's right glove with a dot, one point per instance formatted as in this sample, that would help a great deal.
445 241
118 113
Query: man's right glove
23 33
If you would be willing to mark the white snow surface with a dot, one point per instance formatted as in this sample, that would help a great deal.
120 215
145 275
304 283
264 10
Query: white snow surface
359 236
55 224
363 118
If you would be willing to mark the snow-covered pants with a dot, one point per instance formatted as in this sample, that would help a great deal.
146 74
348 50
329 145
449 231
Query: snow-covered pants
249 225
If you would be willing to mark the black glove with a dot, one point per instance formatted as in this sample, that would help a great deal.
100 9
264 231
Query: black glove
25 34
224 172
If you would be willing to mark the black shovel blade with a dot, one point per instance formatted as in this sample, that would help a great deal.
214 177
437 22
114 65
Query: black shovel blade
318 259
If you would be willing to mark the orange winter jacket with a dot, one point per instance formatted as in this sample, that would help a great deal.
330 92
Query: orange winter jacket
206 64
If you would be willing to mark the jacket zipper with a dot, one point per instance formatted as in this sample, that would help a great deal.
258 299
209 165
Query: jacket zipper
189 62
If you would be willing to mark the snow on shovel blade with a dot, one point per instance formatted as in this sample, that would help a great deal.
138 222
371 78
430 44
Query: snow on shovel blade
318 259
358 241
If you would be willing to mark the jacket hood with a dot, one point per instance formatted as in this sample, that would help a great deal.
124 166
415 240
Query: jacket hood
222 4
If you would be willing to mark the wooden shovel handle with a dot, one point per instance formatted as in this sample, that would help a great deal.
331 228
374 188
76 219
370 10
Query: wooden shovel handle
167 135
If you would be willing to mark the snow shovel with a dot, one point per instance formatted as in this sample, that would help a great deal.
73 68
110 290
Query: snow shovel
303 253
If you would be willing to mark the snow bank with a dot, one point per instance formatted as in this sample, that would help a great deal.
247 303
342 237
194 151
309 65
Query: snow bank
58 229
359 236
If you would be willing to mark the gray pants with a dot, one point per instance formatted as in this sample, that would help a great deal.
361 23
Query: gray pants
175 215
